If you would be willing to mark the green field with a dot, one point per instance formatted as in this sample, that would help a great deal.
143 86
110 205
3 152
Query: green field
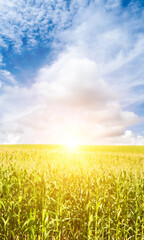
50 192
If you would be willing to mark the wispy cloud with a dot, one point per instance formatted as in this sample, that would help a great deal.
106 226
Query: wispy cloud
28 23
7 78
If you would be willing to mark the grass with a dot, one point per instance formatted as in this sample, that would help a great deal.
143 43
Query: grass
94 193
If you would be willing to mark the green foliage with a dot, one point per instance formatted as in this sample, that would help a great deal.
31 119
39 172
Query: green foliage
92 193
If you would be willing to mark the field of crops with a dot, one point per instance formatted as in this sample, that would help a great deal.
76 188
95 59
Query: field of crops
50 192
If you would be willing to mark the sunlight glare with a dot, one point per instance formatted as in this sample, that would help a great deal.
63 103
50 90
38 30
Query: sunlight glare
72 144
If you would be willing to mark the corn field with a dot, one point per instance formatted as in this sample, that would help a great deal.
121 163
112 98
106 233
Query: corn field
50 192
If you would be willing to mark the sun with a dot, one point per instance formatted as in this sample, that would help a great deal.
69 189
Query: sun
72 144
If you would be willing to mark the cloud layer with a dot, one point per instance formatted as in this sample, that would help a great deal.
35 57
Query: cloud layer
92 90
26 24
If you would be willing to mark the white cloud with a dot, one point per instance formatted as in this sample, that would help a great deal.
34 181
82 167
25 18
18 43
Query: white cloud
68 99
128 138
6 77
73 81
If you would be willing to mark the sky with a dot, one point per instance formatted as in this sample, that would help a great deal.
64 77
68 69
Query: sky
72 70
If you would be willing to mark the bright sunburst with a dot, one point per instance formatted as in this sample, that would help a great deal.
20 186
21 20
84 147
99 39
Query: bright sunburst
72 144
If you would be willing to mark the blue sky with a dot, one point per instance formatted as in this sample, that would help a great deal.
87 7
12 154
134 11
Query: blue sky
72 70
